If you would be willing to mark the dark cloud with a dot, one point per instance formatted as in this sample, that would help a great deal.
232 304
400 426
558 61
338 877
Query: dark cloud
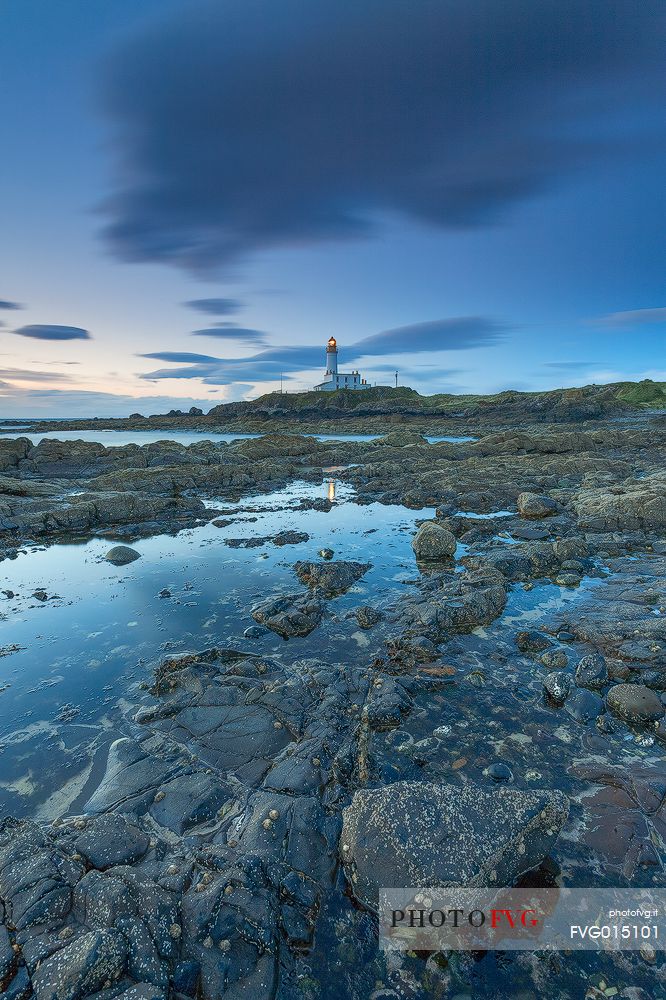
215 307
438 335
41 332
462 333
6 304
252 124
224 331
180 357
631 318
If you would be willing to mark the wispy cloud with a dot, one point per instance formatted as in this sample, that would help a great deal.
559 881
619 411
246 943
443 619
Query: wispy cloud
50 332
225 331
215 307
631 318
7 304
454 334
27 375
572 366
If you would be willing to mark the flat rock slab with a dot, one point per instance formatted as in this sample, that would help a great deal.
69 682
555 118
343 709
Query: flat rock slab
414 834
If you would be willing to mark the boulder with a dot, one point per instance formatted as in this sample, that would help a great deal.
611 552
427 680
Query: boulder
330 578
420 834
432 542
536 505
558 686
367 617
592 672
121 555
635 703
290 615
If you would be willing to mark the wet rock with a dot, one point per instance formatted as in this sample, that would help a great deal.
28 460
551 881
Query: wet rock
634 505
554 659
81 967
592 672
20 987
634 703
255 632
583 705
247 543
436 835
567 579
331 578
452 603
36 881
326 553
111 840
536 505
367 617
532 642
121 555
387 705
498 772
558 685
290 538
291 615
188 800
432 542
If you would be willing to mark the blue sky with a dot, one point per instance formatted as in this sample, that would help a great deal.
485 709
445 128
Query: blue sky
196 195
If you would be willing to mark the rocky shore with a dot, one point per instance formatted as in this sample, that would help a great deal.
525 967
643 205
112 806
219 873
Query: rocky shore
252 803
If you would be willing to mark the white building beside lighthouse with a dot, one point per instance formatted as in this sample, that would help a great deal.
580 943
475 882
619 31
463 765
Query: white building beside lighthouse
339 380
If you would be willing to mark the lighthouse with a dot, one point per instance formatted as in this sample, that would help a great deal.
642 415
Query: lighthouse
339 380
332 357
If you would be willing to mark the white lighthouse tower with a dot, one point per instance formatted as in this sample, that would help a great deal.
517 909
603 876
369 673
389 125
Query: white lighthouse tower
332 357
335 379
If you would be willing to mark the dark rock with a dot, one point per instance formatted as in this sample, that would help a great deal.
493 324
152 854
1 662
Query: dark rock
532 642
558 686
331 578
255 632
535 505
635 703
554 659
290 538
326 553
499 772
437 835
82 967
432 542
121 555
111 840
592 672
290 615
584 705
367 616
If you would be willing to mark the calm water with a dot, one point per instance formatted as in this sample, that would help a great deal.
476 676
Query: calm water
84 651
121 438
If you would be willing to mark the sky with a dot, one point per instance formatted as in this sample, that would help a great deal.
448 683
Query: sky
196 195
